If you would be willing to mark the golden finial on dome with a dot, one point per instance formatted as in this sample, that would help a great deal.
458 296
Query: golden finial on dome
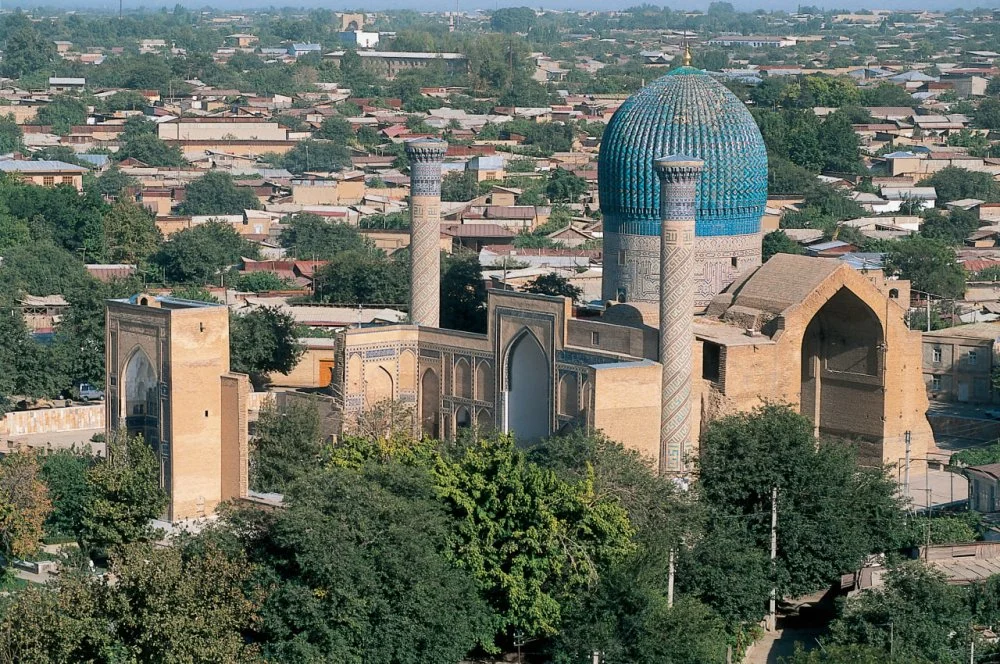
687 54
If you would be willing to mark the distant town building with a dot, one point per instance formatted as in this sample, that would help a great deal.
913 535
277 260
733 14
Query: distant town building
359 38
46 173
959 361
390 63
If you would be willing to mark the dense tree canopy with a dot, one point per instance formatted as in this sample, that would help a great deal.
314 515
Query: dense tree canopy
197 255
217 193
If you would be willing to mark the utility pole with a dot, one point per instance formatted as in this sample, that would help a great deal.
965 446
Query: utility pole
906 469
928 311
670 581
772 619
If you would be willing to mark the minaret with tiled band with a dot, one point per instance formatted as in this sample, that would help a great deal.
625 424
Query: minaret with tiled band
678 177
426 156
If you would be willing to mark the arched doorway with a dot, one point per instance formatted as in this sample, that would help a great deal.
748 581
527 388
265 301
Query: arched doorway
378 386
430 404
842 366
141 406
528 390
463 419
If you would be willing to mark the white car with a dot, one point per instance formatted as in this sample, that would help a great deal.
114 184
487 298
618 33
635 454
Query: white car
90 393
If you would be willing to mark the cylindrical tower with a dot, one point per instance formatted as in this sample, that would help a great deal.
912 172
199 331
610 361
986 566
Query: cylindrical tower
678 177
425 155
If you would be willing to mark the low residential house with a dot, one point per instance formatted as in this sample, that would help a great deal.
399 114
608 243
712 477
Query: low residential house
297 50
497 256
46 173
512 217
476 236
571 236
983 238
299 272
390 63
486 167
923 197
958 363
63 84
42 314
984 487
831 249
108 272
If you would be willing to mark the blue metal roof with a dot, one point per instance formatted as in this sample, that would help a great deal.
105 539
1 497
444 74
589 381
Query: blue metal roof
685 112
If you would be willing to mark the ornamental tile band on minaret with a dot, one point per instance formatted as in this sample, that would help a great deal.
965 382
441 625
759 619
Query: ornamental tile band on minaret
678 176
426 156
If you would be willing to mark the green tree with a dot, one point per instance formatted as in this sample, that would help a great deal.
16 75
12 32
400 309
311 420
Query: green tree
565 187
987 114
930 266
156 604
839 144
359 573
263 341
916 614
553 284
130 233
953 183
886 94
24 505
951 228
337 129
217 193
363 277
530 539
776 242
288 445
512 19
259 282
463 294
11 136
26 51
196 255
113 183
126 494
41 268
461 186
65 474
313 155
151 151
310 236
62 113
823 495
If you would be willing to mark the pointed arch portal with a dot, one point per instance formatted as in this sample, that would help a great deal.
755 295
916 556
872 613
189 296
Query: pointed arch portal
528 390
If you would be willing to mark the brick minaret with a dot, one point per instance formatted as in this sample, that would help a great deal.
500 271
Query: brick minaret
425 155
678 186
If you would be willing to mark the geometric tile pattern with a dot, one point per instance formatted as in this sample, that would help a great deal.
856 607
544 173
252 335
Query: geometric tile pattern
684 112
678 178
425 157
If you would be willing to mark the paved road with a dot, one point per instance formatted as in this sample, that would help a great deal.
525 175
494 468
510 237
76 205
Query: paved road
774 645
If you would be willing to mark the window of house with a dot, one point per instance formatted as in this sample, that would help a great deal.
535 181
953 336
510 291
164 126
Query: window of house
972 357
935 383
48 180
936 354
66 179
734 261
595 338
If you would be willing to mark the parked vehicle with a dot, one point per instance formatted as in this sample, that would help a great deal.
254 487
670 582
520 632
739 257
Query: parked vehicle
90 393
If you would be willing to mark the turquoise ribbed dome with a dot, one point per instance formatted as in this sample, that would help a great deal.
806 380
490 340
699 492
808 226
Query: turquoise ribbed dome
685 112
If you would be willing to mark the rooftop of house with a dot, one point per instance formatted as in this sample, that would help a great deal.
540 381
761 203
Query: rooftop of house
17 166
977 331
